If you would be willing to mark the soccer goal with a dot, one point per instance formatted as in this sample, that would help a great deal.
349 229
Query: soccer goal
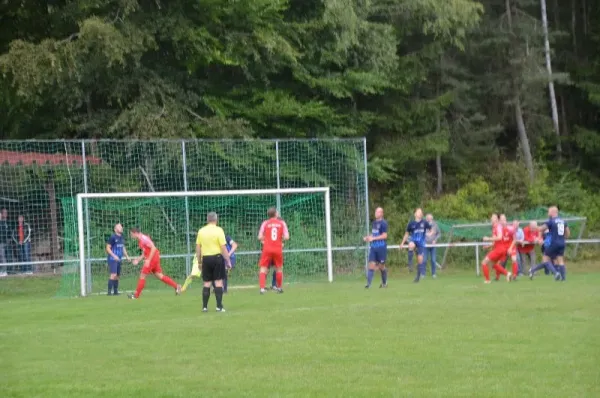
172 219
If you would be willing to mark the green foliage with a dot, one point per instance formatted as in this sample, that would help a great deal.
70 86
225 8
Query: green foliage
423 80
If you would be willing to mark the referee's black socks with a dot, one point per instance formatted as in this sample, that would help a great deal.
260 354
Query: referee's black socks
206 296
219 296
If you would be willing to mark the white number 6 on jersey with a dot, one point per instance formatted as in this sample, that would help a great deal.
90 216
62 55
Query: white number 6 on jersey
273 234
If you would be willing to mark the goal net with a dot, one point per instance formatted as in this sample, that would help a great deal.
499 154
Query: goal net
164 217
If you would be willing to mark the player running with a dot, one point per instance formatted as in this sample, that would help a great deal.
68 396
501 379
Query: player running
554 251
498 252
151 257
510 239
378 250
415 230
272 233
115 248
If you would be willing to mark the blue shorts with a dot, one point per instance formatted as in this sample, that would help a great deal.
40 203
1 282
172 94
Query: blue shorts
420 250
378 255
114 267
554 251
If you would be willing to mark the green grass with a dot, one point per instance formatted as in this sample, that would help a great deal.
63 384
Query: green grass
450 337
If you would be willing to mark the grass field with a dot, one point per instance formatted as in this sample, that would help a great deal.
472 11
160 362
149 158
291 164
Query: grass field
450 337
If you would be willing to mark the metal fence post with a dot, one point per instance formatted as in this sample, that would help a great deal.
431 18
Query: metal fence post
188 267
367 218
278 171
87 221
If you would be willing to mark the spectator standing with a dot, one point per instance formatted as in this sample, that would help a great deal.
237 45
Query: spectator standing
431 238
4 240
22 238
526 247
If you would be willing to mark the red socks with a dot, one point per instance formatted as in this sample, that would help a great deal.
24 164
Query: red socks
515 269
500 269
262 280
165 279
486 271
279 278
140 287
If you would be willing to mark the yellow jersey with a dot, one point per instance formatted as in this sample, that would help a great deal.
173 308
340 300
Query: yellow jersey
211 238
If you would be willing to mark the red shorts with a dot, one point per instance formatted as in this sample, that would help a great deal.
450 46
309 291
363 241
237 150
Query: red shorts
497 255
268 259
153 267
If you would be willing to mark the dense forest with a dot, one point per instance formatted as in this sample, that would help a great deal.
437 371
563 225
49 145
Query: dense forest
466 105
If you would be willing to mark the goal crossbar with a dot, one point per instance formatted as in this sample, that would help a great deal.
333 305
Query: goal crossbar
179 194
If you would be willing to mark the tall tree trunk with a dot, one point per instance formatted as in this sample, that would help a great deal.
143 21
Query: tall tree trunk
523 138
574 25
585 18
438 168
550 82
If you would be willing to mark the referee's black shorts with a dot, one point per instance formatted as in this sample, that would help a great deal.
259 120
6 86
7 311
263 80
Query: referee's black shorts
213 268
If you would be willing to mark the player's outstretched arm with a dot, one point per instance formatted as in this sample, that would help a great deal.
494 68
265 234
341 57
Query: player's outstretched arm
567 232
126 254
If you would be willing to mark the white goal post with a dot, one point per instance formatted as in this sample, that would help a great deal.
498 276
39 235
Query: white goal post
182 194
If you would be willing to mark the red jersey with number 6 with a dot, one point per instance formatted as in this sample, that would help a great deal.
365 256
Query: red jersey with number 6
273 230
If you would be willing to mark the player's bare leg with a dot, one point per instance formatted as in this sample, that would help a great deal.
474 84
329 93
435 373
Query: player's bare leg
279 279
168 281
262 279
370 274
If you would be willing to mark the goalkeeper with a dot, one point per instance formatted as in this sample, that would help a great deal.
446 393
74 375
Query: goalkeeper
197 273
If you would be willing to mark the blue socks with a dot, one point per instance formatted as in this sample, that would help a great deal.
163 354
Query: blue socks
113 286
411 255
370 274
562 270
384 276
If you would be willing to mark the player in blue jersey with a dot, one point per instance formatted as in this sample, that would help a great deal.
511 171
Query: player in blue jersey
378 249
115 248
545 243
554 249
231 246
416 230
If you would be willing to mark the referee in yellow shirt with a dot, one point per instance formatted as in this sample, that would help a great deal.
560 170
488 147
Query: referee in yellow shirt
211 251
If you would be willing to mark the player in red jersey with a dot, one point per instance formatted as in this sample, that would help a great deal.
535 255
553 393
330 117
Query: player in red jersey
498 252
272 234
511 233
151 257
